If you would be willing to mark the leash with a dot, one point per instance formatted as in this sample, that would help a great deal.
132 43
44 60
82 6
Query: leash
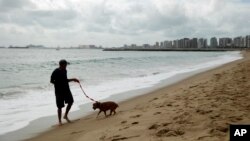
86 94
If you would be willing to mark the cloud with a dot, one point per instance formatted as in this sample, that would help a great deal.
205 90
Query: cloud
24 13
114 23
10 5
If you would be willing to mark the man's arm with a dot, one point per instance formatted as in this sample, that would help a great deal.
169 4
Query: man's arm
52 78
73 79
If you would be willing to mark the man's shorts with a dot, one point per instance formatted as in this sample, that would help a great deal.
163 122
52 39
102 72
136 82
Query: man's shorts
64 98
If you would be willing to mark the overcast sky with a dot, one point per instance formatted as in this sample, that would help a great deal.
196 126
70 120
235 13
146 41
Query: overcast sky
117 22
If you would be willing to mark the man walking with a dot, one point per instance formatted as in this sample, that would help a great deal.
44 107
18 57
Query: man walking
62 90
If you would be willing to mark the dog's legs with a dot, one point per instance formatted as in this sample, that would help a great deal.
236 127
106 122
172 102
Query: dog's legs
98 113
114 112
105 113
111 112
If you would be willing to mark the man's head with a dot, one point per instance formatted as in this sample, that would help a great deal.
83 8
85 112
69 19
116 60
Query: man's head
63 64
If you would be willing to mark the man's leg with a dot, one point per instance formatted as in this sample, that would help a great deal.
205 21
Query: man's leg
67 111
59 113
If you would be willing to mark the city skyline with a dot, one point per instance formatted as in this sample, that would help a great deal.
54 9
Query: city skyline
111 23
225 42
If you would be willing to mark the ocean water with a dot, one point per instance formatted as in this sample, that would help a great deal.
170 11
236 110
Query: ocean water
26 94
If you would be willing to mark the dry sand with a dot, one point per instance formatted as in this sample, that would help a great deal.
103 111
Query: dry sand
199 108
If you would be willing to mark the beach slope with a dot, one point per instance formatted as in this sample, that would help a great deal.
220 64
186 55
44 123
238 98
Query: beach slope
199 108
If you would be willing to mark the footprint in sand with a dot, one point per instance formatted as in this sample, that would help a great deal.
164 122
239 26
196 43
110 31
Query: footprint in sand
102 138
123 122
77 132
192 86
135 123
166 124
119 138
203 112
135 116
154 126
161 106
169 132
215 116
157 113
153 99
202 137
124 128
235 119
169 104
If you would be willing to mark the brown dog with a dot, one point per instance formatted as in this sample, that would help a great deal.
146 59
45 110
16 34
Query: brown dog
105 106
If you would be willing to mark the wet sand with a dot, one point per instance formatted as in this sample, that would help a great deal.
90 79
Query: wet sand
198 108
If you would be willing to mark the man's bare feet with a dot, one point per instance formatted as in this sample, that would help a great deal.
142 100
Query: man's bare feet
67 119
60 124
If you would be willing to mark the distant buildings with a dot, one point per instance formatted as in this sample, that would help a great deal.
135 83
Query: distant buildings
157 44
225 42
239 42
202 43
28 46
181 43
175 44
35 46
89 47
186 43
133 45
146 46
248 41
125 45
192 43
213 42
162 44
168 44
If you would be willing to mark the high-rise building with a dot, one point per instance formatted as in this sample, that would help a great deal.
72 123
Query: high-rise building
202 43
225 42
237 41
248 41
157 44
133 45
146 46
243 42
168 44
205 43
161 44
181 43
165 44
194 43
222 42
175 44
213 42
186 43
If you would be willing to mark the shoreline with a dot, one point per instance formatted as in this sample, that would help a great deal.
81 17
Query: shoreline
149 93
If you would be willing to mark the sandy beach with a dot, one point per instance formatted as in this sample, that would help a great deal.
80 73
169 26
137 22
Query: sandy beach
198 108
